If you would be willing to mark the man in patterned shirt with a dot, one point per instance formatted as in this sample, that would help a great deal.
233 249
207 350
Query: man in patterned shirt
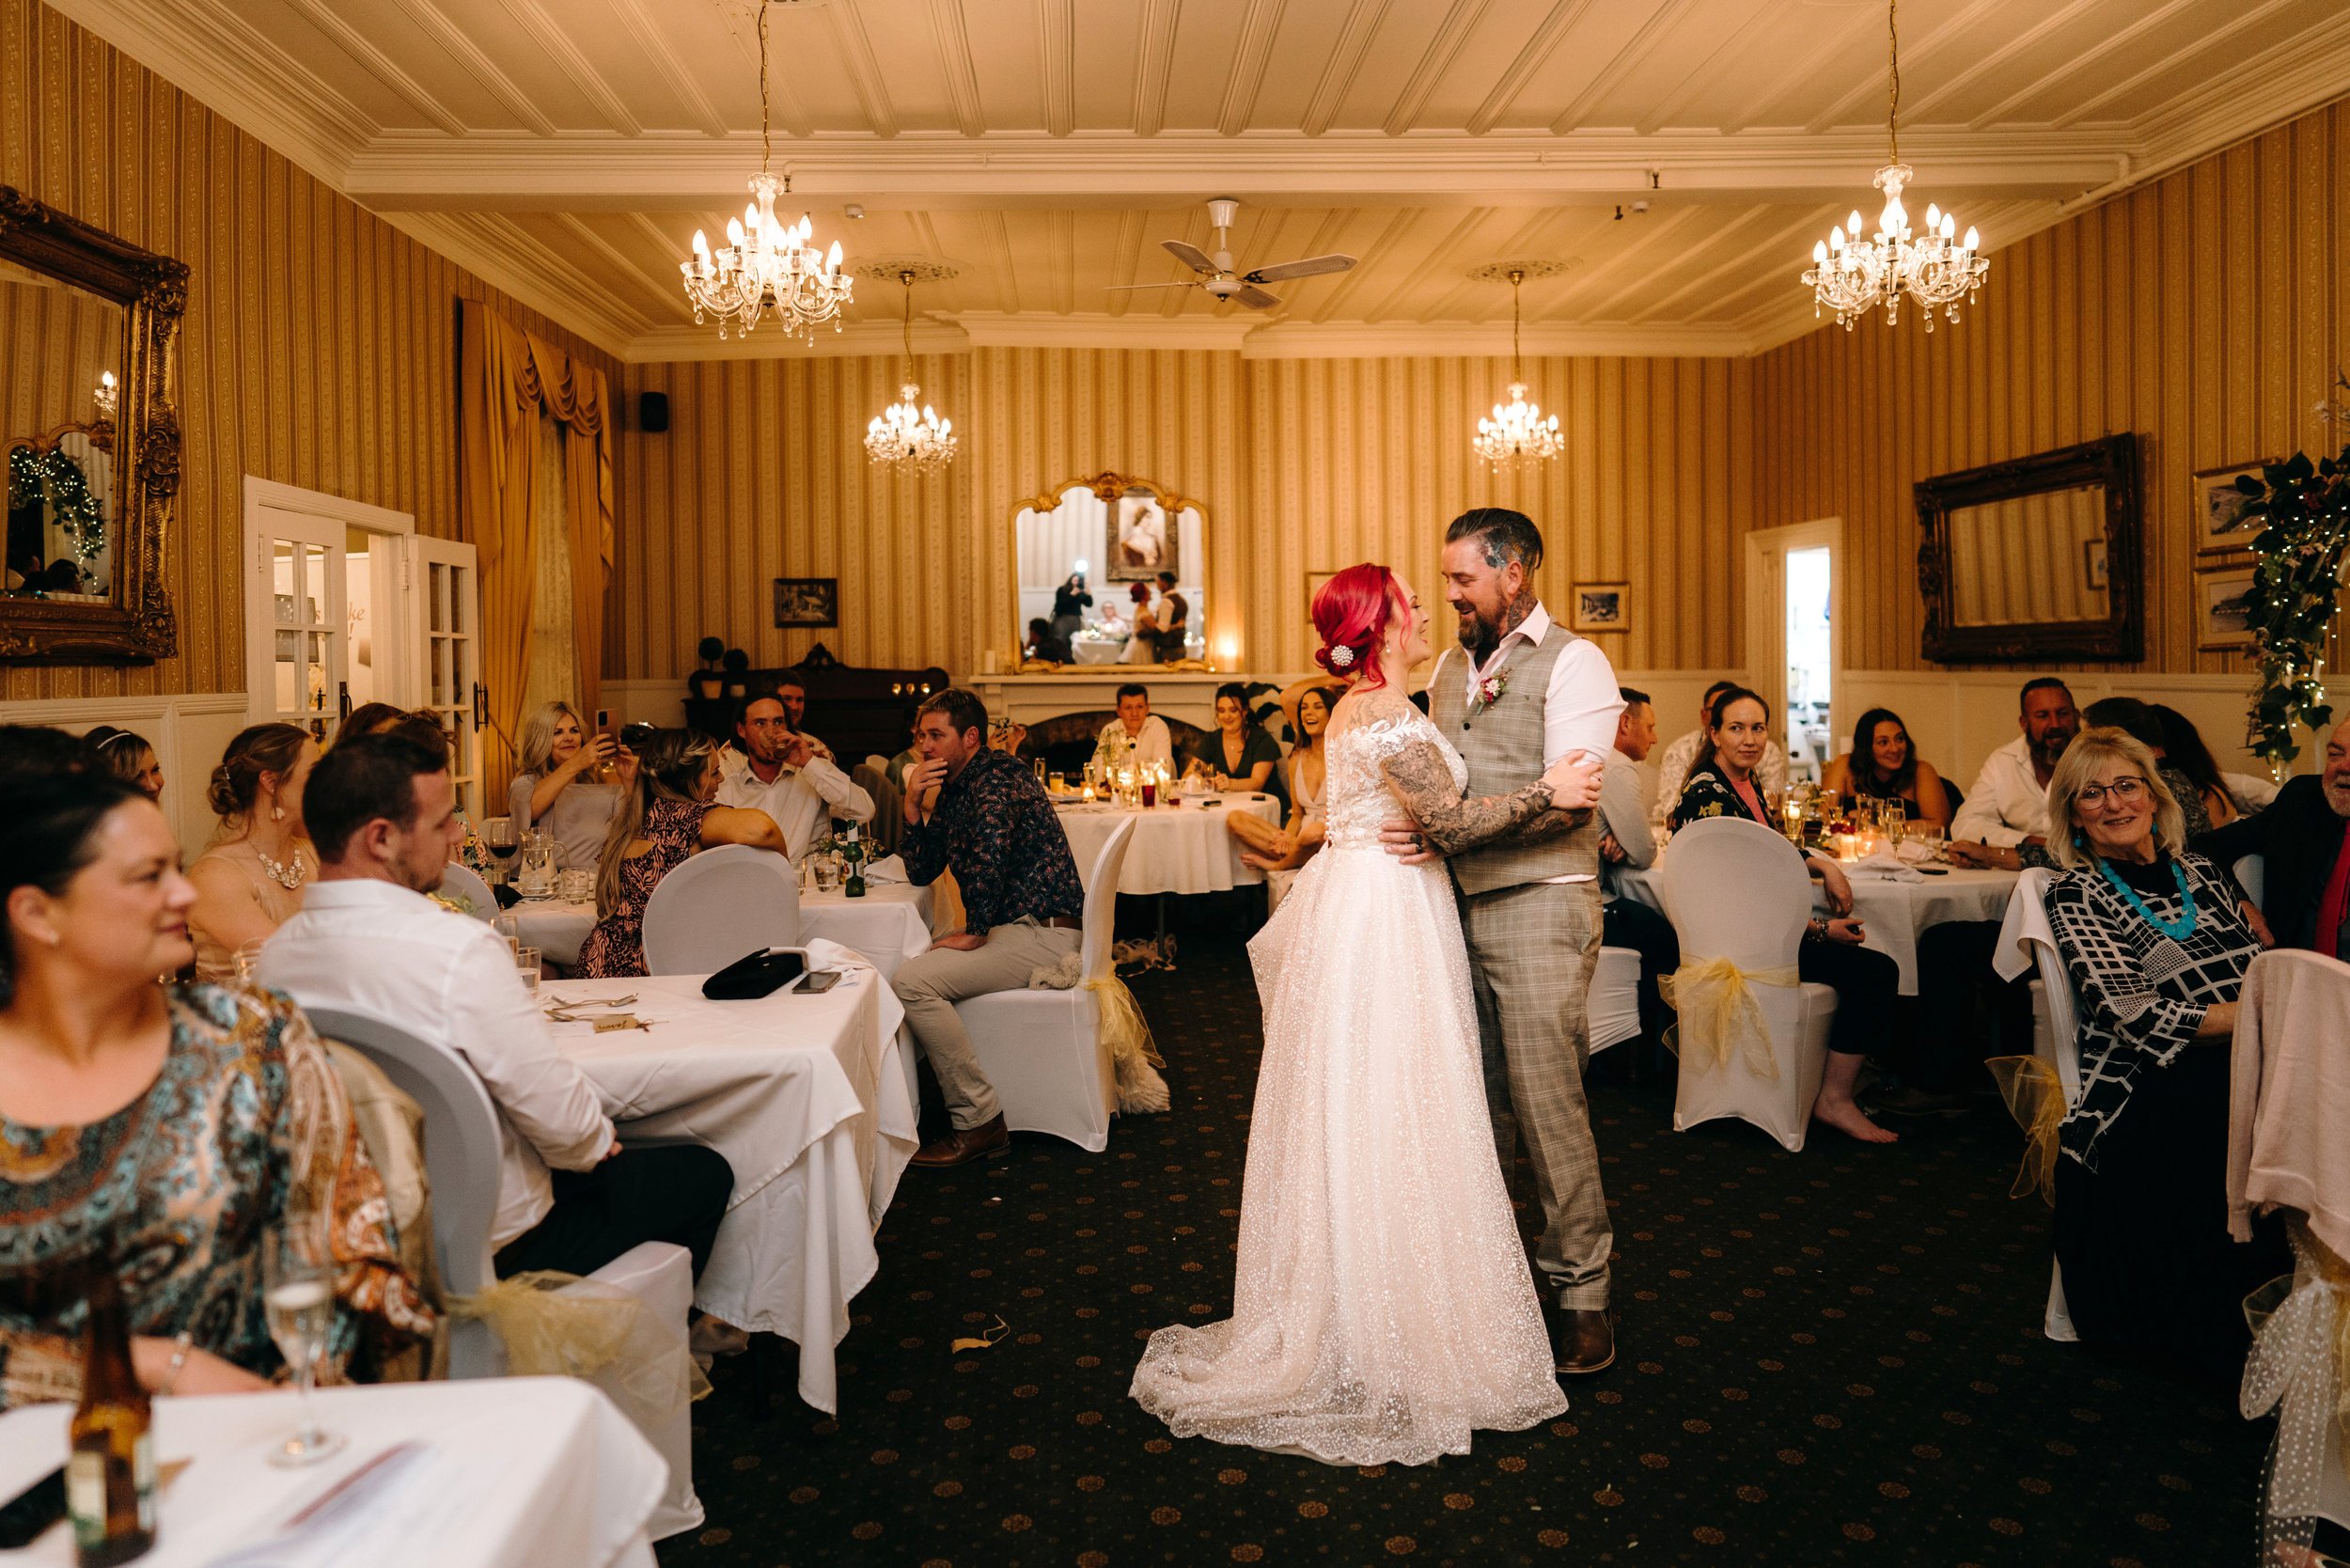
981 814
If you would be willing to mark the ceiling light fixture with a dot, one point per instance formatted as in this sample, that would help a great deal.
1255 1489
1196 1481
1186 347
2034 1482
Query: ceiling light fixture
1517 433
904 438
1852 276
767 263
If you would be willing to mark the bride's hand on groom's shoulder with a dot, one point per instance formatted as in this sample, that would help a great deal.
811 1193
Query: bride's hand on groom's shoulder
1574 780
1401 837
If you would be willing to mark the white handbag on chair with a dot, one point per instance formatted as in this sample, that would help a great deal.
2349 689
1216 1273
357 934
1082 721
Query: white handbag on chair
1738 894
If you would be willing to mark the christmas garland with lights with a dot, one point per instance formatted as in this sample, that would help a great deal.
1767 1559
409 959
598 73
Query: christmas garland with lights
53 479
2301 509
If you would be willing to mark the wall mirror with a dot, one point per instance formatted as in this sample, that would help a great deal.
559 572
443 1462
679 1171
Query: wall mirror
90 429
2035 558
1095 559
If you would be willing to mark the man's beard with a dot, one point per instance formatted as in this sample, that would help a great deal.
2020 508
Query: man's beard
2047 751
1478 634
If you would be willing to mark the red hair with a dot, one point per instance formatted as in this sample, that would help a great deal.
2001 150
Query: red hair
1352 611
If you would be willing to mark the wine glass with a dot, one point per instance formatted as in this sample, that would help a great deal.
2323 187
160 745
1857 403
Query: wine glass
298 1297
499 836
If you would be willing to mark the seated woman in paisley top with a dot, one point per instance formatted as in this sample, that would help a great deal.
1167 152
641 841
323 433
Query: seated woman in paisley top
159 1130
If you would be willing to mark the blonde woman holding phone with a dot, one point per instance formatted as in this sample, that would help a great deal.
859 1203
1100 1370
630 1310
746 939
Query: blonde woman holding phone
558 787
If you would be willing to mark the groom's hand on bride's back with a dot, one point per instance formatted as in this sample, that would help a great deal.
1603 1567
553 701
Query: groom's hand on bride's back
1574 781
1401 837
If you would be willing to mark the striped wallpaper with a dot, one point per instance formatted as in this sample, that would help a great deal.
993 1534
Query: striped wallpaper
320 347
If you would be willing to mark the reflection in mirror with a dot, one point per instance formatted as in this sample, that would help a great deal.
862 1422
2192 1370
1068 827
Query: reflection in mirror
1090 574
2029 558
57 408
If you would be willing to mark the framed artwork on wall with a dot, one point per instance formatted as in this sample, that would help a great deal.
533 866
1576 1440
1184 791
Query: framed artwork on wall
807 601
2223 613
2218 503
1602 607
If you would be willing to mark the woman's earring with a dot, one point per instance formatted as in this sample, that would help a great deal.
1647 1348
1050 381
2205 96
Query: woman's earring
277 813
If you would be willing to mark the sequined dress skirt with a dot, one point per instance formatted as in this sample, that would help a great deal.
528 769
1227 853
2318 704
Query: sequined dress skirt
1381 1306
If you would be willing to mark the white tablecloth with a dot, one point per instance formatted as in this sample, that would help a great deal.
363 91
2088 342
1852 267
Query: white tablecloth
805 1099
523 1470
1892 914
1096 650
889 925
1183 848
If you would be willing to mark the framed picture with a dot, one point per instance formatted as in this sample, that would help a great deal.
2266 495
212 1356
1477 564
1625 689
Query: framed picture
1142 542
2095 568
2223 613
1602 607
2217 502
807 601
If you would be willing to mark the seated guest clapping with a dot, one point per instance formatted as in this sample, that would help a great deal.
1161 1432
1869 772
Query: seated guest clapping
558 787
384 814
1237 754
784 774
250 877
157 1130
1142 732
2155 951
981 814
1286 848
661 822
127 756
1884 765
1723 784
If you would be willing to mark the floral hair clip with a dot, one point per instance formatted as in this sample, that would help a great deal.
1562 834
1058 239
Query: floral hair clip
1342 656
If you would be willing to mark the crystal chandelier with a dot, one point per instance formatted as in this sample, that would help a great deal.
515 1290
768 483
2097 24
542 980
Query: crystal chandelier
1852 276
767 263
1517 433
908 439
107 397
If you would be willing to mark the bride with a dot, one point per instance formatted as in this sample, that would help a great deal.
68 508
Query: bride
1382 1308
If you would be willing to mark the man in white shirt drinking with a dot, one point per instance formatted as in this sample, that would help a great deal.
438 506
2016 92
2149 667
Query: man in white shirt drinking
382 813
790 776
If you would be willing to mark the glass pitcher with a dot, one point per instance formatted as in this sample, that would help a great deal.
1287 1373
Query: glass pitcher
536 877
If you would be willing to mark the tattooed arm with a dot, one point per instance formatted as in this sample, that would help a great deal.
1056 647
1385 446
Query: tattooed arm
1419 777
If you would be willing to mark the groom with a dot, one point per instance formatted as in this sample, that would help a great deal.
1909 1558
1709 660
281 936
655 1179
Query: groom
1520 693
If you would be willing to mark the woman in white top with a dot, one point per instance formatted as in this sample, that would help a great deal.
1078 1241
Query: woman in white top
1281 849
552 790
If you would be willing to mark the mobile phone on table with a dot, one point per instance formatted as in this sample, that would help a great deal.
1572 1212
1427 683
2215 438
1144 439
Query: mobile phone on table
819 980
24 1517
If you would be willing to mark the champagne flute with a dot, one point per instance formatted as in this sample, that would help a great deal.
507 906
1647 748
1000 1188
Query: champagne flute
297 1296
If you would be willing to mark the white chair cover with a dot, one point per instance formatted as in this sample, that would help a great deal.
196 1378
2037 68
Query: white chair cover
1735 891
461 1155
722 904
2028 942
1614 1004
1043 1050
461 883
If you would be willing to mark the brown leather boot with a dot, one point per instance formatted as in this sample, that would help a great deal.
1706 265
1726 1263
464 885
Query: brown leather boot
989 1140
1584 1341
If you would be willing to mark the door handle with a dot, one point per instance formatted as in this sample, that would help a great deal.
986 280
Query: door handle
342 700
480 705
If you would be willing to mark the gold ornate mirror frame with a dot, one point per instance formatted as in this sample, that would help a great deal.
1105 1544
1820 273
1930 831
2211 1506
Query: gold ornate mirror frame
1108 486
135 625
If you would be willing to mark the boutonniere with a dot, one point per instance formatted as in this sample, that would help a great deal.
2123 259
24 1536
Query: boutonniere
1489 692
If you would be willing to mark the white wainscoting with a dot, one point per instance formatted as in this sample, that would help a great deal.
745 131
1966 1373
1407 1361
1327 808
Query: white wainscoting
188 732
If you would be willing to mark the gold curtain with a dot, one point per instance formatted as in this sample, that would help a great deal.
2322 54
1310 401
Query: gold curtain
507 377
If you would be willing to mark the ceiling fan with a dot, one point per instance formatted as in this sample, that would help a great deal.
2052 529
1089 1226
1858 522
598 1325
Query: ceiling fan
1215 272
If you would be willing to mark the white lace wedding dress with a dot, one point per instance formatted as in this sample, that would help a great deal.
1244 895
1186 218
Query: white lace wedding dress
1382 1308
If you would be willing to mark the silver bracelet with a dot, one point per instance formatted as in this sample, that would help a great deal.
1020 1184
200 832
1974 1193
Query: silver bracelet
180 1348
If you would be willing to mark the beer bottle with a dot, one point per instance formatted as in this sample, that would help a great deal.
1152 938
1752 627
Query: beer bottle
110 1478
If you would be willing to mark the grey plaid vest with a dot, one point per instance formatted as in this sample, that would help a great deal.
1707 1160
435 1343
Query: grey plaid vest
1502 744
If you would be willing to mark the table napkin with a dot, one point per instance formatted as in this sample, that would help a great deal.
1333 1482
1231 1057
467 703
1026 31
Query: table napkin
888 868
1884 866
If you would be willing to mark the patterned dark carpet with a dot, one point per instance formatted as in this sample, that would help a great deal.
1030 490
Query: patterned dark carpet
1825 1358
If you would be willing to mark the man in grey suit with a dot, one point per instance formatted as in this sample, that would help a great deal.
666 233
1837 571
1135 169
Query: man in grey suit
1520 693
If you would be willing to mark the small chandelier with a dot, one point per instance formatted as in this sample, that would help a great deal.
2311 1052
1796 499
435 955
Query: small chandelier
767 263
1516 433
1852 276
908 439
107 397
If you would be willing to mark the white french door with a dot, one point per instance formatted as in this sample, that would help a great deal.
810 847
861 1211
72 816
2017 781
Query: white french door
446 613
294 616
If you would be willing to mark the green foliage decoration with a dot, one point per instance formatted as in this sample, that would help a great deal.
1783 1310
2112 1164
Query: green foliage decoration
2300 509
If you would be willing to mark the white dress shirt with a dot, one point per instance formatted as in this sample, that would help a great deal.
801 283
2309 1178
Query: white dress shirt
2008 804
799 799
1672 776
1156 744
1622 813
1581 705
450 980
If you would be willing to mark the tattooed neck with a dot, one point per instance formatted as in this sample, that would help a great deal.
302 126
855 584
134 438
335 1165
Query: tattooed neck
1513 615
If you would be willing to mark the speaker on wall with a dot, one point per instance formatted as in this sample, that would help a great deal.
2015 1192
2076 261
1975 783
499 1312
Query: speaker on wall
653 412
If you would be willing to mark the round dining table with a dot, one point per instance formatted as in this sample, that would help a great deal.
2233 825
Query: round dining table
1180 846
890 924
1893 910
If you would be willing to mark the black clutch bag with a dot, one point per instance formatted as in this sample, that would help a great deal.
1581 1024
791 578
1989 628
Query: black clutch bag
759 974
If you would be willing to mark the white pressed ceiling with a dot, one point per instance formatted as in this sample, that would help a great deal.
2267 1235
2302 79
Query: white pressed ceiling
567 149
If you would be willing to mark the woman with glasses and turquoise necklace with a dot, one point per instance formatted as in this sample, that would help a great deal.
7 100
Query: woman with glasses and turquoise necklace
2156 945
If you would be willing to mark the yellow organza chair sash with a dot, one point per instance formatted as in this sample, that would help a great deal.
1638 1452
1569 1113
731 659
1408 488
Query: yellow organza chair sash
2299 1367
1133 1054
1718 1014
554 1325
2035 1097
